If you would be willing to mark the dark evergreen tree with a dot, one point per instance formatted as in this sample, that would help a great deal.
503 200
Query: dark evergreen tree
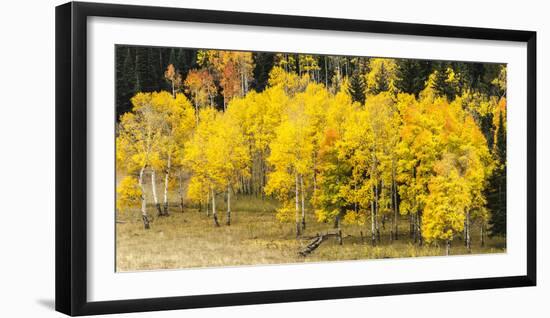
172 57
141 69
263 64
442 86
153 70
412 75
488 130
496 201
501 140
496 197
357 88
382 81
125 79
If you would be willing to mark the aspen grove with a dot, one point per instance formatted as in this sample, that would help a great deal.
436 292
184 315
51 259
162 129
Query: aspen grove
343 141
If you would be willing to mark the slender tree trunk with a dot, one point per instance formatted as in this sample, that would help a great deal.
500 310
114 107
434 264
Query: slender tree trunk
228 204
206 205
394 218
144 216
464 235
338 226
326 73
482 230
447 247
154 190
468 237
419 228
314 178
181 191
297 205
372 226
214 212
376 209
412 228
303 203
166 179
396 208
262 175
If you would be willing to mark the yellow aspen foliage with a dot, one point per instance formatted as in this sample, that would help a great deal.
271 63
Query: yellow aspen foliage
128 193
217 152
316 150
291 83
332 193
444 212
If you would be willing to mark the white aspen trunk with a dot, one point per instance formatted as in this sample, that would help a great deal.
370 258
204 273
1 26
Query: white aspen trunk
228 204
144 216
242 84
376 209
207 203
314 178
165 197
468 238
245 83
395 207
303 203
154 190
261 175
214 213
297 205
394 217
372 226
166 179
326 73
482 234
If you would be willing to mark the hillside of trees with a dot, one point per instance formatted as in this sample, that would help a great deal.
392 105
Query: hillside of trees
349 140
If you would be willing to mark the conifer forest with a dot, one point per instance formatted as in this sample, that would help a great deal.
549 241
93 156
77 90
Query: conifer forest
228 158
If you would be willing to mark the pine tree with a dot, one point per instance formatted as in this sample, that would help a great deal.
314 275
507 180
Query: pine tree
125 82
382 83
263 64
446 82
172 57
412 75
154 73
357 88
501 140
141 69
496 192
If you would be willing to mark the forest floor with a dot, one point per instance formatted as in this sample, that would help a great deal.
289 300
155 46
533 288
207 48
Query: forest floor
255 236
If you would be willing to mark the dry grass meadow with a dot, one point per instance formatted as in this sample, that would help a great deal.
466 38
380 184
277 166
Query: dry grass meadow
190 239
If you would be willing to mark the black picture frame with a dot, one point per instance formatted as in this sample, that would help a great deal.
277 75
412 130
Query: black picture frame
71 157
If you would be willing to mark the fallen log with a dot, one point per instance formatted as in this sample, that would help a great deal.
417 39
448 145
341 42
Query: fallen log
317 240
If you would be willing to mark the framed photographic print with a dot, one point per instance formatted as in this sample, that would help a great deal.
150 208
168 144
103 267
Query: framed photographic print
209 158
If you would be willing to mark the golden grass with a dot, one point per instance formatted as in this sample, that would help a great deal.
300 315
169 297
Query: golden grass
190 239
